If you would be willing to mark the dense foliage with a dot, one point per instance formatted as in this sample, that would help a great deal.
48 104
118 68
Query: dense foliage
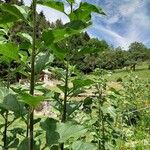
85 113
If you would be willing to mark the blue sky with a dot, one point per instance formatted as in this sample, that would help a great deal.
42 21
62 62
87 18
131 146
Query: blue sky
126 21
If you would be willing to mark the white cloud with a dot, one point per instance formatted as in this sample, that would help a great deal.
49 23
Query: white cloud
127 21
129 8
110 34
50 14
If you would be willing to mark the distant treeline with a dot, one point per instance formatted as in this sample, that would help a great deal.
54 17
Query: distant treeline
101 55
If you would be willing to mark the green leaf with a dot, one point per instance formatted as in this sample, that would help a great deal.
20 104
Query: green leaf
59 52
51 36
10 103
23 145
57 132
70 130
80 145
14 143
33 101
25 36
71 1
79 83
3 92
10 13
9 50
57 5
43 59
71 107
50 126
84 12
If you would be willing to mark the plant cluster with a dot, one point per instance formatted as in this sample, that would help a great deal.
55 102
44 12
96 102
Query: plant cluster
80 121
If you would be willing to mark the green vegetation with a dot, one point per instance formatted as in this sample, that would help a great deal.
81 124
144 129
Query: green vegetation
86 111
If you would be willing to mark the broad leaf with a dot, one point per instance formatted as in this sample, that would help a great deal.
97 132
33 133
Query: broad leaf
57 5
84 12
9 50
70 130
25 36
11 13
71 107
51 36
42 60
24 145
50 126
80 83
31 100
3 92
59 52
14 143
60 132
10 103
80 145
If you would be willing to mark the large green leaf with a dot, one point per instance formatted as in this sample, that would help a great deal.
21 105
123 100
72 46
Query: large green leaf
51 36
58 52
80 83
57 5
42 60
9 102
70 130
84 12
57 132
71 107
11 13
9 50
24 145
3 92
50 126
80 145
25 36
31 100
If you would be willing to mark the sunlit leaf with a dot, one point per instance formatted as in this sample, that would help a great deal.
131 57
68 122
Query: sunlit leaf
31 100
80 145
11 13
57 5
84 12
9 50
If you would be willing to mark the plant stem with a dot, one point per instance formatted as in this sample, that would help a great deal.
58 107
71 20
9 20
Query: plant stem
64 113
101 119
5 131
6 114
65 95
32 81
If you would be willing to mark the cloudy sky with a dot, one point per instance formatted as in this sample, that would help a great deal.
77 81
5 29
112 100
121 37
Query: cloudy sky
126 21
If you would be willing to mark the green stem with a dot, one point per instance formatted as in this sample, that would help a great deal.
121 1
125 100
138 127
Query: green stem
6 115
32 81
5 131
65 95
64 113
103 132
101 119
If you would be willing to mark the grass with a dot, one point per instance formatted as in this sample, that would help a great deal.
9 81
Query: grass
141 72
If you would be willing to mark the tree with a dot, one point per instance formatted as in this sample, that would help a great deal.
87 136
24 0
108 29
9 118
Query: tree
136 54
